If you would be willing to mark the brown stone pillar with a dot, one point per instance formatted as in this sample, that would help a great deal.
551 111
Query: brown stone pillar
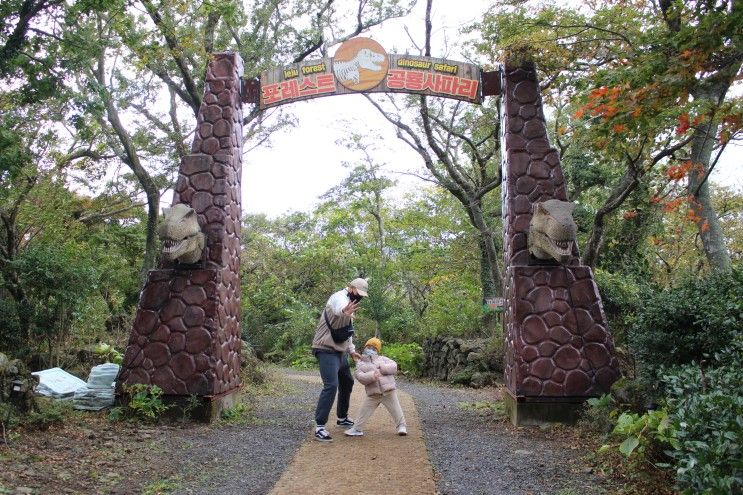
186 335
559 351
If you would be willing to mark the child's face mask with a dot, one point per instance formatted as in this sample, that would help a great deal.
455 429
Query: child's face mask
370 351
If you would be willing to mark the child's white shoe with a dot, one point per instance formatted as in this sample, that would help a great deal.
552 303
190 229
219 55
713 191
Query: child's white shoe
402 431
353 432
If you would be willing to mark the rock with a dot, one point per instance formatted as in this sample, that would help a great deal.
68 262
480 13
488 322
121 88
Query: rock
475 357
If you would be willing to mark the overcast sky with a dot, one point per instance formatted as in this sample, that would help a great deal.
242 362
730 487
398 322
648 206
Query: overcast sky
304 162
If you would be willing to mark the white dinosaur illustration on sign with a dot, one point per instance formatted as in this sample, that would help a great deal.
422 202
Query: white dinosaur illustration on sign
364 59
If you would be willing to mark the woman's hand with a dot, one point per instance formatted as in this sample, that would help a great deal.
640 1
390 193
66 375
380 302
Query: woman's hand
377 375
350 308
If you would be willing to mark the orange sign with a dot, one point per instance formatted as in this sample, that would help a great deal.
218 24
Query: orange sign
362 65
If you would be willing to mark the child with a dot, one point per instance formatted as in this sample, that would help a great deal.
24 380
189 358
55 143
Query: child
377 373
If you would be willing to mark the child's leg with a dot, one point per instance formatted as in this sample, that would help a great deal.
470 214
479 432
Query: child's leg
368 407
392 404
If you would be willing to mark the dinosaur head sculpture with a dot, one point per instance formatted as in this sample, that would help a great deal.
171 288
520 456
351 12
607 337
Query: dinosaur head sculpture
552 230
182 238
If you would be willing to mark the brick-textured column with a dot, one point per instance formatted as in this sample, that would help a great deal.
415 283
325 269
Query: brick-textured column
186 335
557 342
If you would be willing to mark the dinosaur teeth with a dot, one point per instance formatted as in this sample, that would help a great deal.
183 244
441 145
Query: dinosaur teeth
170 246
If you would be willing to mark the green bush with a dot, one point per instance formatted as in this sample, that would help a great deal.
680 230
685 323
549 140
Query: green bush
107 353
454 308
143 402
302 358
409 357
706 406
643 436
49 413
685 324
620 295
252 371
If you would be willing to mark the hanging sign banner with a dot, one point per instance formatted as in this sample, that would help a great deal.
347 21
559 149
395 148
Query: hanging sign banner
361 65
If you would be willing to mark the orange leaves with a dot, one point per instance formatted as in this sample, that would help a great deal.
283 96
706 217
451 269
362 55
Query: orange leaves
731 124
673 204
603 102
629 214
598 92
683 124
678 172
619 128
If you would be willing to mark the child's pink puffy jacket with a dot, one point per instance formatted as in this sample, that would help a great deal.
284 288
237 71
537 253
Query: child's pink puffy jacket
365 368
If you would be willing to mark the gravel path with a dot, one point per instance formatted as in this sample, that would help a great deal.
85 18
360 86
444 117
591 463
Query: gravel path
246 458
471 451
474 453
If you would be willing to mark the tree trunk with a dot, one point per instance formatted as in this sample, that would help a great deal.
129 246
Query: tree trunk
131 158
710 230
487 246
626 185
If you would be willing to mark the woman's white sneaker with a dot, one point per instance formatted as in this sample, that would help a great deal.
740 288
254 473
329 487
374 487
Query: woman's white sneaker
402 431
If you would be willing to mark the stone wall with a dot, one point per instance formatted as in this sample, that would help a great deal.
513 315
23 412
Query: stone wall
463 361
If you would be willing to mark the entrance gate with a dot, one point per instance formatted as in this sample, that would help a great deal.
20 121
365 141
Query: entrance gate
186 334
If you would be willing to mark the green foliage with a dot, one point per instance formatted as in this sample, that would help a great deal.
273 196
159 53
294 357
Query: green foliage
301 358
684 324
620 295
454 307
252 370
645 434
409 357
235 414
160 487
490 409
462 377
706 406
143 402
107 353
49 413
599 414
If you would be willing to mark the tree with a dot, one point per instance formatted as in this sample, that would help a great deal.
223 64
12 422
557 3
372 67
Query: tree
459 148
630 71
362 191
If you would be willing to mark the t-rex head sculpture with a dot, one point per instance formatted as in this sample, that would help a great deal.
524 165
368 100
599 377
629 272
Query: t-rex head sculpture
552 230
182 238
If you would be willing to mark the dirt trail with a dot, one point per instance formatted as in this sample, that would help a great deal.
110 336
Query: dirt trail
380 462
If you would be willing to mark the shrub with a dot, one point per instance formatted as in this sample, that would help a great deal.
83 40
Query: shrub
706 406
599 414
620 295
681 325
302 358
409 357
142 402
107 353
645 435
454 308
251 368
49 413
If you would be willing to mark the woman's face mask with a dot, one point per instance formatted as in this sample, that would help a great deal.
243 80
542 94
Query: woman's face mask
370 351
354 297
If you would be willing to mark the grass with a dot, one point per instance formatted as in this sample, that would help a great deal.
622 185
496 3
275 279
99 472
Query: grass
493 409
160 487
